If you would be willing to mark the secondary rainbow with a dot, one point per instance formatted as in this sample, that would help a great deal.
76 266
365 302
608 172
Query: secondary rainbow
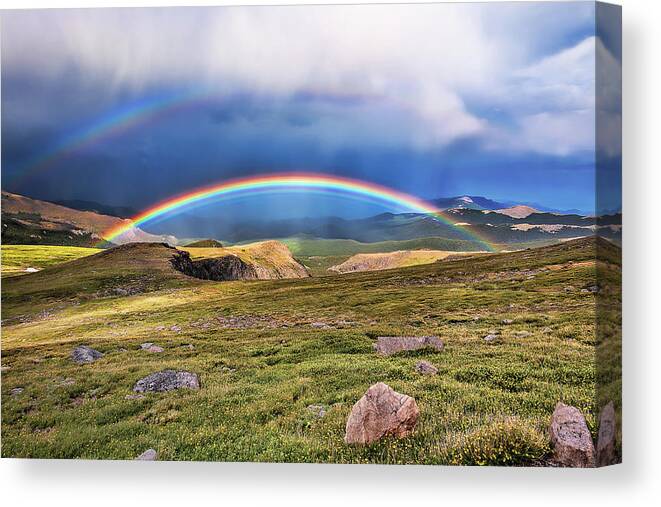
113 123
286 182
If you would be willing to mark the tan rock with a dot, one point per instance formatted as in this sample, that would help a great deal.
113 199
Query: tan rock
606 454
379 413
571 438
388 345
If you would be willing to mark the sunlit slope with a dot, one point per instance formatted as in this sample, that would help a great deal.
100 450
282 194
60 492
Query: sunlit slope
16 259
392 260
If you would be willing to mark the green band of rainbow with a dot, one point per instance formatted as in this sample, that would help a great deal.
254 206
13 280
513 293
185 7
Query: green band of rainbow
288 181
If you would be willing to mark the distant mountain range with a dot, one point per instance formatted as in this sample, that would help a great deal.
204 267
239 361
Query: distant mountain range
27 220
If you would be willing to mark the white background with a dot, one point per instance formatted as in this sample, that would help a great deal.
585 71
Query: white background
636 482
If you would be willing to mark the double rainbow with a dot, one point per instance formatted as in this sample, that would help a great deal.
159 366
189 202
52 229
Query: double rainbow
284 182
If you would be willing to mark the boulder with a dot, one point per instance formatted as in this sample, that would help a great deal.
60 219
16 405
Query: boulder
507 321
426 368
148 455
490 338
570 437
606 454
379 413
167 380
84 355
388 345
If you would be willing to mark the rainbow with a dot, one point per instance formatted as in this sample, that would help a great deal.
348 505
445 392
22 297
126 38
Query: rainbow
113 123
283 182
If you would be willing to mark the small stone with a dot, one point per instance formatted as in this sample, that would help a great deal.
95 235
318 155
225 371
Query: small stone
134 396
175 328
606 454
148 455
379 413
569 288
4 368
507 321
319 325
522 334
571 439
65 382
490 338
16 391
317 410
150 347
388 345
84 355
426 368
167 380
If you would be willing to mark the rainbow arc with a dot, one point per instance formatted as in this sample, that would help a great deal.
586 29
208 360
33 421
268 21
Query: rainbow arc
287 182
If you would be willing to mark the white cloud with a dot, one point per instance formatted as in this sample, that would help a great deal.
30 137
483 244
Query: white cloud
415 63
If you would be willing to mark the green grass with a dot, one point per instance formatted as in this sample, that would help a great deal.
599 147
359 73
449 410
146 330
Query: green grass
490 403
17 258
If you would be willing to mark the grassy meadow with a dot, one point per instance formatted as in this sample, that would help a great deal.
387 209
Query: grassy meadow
266 350
17 258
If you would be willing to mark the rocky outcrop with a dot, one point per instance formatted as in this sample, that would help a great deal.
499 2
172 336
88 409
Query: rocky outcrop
388 345
606 454
85 354
379 413
570 437
228 267
167 380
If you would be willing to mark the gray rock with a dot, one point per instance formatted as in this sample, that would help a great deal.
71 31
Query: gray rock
16 391
570 437
148 455
379 413
388 345
606 454
150 347
85 354
317 410
507 321
490 338
167 380
426 368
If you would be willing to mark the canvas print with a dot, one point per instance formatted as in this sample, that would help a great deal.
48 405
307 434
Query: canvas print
374 234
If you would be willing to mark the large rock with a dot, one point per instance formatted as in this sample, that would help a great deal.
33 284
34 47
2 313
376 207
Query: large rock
388 345
167 380
606 454
381 412
85 354
571 438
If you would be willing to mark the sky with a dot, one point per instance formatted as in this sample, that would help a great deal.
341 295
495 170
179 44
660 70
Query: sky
131 106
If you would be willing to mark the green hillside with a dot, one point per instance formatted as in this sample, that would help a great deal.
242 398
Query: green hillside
266 350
